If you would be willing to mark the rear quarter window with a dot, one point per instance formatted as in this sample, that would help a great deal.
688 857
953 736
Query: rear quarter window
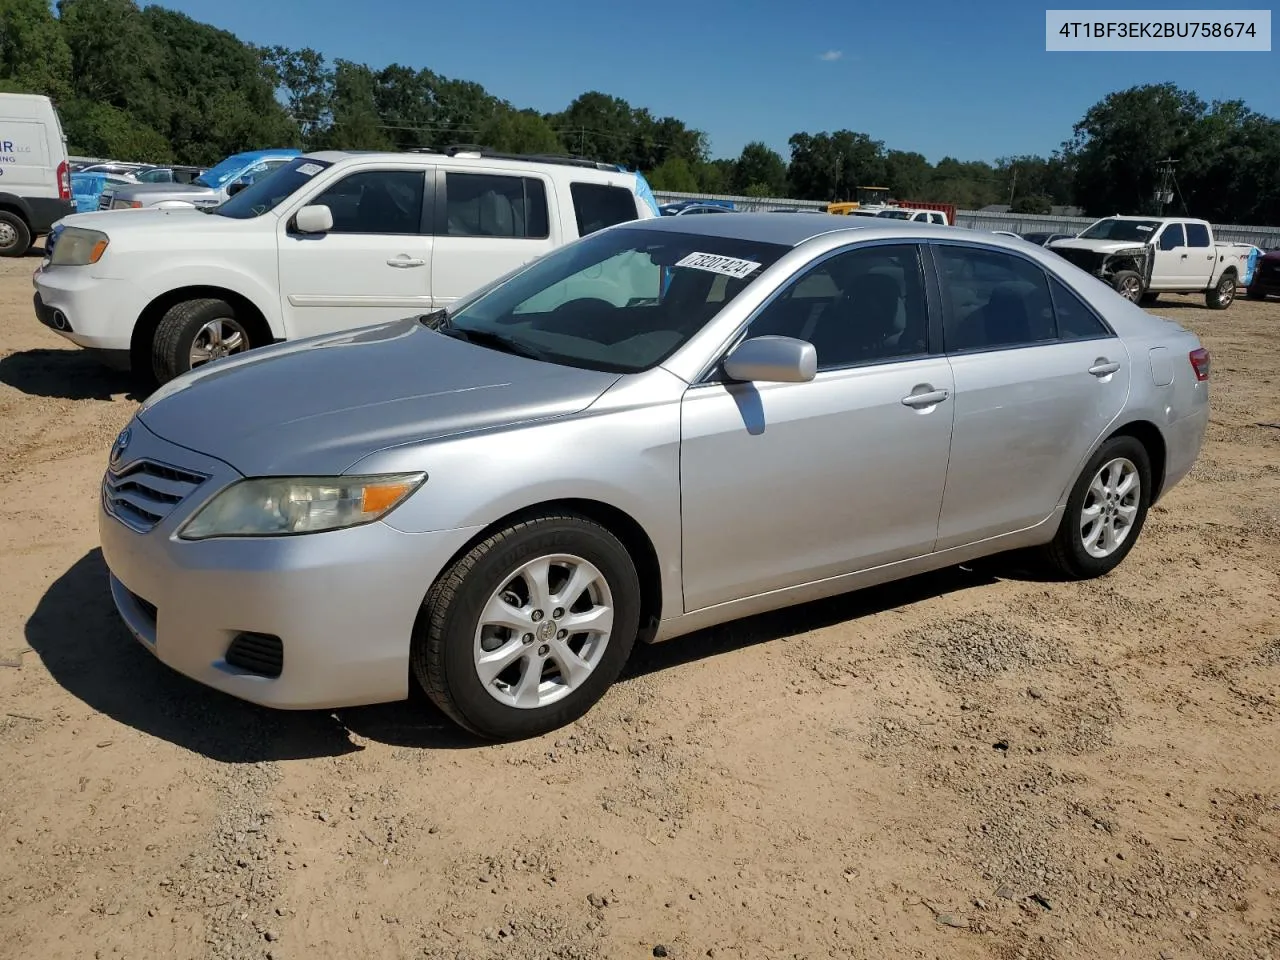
598 205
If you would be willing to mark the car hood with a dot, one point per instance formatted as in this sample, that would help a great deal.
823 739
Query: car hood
317 406
1097 246
112 222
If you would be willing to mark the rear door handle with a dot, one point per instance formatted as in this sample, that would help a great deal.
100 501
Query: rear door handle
1104 368
927 399
403 261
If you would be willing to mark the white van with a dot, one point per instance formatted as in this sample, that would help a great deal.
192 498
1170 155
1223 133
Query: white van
35 182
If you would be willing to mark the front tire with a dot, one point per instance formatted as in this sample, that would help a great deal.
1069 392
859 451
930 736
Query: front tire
1128 284
15 235
193 333
527 630
1105 512
1220 297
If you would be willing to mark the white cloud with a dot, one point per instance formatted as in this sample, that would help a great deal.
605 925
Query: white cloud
831 55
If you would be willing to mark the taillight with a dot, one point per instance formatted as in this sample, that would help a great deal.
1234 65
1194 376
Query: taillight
64 182
1200 363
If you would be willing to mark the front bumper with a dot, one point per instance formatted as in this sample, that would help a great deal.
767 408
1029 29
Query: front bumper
95 311
342 604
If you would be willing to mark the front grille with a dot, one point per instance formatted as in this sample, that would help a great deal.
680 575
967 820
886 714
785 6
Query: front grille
258 653
145 492
1084 259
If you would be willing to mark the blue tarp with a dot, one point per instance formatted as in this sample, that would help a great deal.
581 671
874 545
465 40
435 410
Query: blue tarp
86 188
1250 265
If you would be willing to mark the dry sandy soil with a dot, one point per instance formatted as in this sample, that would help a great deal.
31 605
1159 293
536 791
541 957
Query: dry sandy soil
969 764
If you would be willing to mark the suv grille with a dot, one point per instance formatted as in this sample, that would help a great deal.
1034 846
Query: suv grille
145 492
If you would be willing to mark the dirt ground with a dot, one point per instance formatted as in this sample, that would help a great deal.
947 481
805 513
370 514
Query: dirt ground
969 764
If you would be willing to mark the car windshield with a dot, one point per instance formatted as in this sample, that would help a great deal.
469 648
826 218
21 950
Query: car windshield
895 214
1113 229
621 300
217 176
270 191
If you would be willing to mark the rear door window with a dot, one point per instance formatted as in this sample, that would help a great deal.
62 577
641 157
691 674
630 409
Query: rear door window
598 205
1197 235
491 205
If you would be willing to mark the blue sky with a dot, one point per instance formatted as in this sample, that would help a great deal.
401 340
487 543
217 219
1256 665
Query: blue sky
969 80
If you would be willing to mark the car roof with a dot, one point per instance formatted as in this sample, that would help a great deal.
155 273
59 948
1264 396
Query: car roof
793 229
514 164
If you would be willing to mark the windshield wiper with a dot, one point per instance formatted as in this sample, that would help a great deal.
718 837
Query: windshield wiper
496 341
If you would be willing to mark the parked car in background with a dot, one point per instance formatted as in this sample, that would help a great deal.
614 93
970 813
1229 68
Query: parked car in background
1266 277
499 499
684 210
1142 257
1044 239
328 242
87 187
35 180
180 174
207 190
915 215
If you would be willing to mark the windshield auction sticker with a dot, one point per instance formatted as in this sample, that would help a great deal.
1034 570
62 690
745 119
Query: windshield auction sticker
713 263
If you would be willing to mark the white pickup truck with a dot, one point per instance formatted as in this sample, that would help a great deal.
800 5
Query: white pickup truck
328 242
1143 257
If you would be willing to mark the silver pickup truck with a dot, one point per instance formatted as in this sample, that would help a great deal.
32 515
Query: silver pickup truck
211 188
1143 257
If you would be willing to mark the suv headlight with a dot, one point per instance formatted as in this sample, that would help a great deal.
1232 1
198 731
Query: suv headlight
285 506
78 247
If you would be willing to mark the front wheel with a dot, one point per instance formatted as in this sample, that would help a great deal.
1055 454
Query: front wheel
1105 512
1220 297
525 632
194 333
15 235
1128 284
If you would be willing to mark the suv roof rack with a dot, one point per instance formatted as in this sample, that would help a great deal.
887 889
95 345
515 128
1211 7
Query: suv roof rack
562 159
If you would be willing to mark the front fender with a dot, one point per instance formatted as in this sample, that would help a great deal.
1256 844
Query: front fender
259 290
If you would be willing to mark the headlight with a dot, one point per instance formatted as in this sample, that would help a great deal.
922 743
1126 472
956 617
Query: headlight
283 506
78 247
126 204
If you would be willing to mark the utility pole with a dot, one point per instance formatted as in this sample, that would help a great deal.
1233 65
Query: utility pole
1014 185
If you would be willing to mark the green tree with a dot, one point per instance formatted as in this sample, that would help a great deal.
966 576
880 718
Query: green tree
715 176
831 166
34 56
907 174
307 84
675 174
760 168
519 131
101 130
356 124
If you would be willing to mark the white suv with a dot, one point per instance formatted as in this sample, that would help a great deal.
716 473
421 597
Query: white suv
328 242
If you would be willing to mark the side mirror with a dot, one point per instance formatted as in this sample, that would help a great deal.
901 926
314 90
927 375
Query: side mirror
236 187
772 360
314 218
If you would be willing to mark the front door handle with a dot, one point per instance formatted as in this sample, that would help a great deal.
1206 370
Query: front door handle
403 261
1103 367
926 399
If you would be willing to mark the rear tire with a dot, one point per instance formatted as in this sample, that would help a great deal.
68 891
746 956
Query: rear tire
1220 297
543 576
192 329
1128 284
1104 515
15 235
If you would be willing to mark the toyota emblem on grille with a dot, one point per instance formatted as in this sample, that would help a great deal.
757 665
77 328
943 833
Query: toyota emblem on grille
122 443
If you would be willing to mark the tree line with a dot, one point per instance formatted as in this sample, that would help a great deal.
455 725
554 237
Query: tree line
151 84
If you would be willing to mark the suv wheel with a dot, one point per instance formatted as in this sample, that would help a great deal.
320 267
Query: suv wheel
15 235
525 632
194 333
1128 284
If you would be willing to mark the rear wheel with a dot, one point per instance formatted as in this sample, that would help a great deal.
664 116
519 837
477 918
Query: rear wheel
1220 297
525 632
15 235
1105 512
1128 284
194 333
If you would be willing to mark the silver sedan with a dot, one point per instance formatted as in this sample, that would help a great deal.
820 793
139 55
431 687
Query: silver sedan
658 428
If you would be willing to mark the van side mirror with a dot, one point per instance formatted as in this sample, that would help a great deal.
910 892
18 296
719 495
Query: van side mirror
772 360
314 218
